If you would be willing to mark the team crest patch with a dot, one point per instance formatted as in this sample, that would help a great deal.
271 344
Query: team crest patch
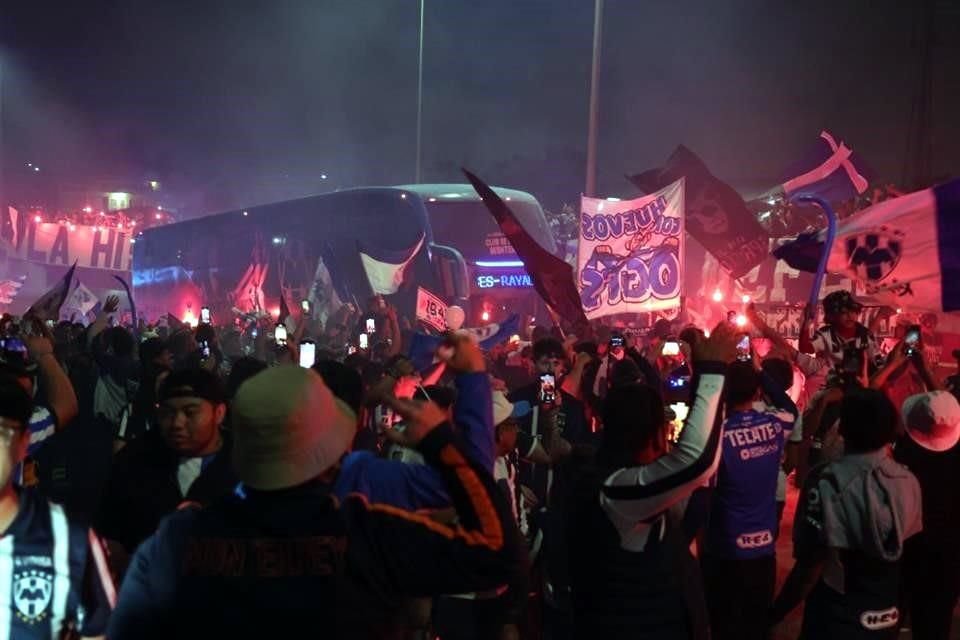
873 255
32 590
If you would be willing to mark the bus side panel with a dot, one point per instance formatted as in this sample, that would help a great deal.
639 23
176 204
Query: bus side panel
231 261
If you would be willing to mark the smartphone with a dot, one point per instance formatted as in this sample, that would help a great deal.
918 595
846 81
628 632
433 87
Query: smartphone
364 341
205 315
677 382
204 350
616 341
308 354
351 349
743 349
305 306
13 343
384 418
280 334
548 389
912 339
671 348
371 325
254 332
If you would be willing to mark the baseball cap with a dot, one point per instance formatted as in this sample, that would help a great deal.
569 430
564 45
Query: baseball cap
288 428
152 348
840 301
193 383
933 420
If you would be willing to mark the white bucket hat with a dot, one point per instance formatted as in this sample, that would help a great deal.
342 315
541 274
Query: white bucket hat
933 420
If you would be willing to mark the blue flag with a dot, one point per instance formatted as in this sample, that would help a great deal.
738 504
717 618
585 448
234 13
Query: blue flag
423 347
829 170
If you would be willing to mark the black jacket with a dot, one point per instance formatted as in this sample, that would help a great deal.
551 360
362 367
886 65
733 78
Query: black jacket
143 488
294 561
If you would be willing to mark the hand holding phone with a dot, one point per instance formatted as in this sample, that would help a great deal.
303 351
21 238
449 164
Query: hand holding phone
364 341
280 334
743 349
371 325
205 315
912 339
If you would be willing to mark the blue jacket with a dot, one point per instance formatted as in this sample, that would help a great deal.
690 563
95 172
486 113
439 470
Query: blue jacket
411 486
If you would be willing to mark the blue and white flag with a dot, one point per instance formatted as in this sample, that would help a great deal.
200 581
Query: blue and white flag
906 251
385 269
830 170
423 347
80 301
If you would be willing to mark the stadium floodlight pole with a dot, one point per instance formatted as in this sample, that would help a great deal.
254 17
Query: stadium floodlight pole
827 246
591 188
417 173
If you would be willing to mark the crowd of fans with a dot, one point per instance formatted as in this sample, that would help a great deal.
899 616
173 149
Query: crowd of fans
227 481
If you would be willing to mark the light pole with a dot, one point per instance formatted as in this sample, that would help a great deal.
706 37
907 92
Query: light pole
591 189
417 174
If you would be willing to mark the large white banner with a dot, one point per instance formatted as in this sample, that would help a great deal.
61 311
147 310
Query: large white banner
62 245
630 256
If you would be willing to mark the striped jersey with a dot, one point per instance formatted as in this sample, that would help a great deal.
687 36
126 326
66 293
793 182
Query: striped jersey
53 575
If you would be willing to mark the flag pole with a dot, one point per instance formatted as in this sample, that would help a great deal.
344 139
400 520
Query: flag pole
827 248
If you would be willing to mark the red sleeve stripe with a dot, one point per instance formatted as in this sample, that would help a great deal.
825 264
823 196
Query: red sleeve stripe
103 571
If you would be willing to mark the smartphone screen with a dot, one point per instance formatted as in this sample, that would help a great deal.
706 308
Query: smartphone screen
204 349
14 343
743 349
912 337
280 334
205 315
308 354
351 349
548 389
371 325
671 348
364 341
305 306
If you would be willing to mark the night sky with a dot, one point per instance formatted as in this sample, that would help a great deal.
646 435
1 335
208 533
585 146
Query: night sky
238 102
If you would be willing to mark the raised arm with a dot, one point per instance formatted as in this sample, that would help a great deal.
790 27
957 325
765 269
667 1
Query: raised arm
415 554
60 395
634 494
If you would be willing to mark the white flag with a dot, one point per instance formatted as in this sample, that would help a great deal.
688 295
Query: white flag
385 272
